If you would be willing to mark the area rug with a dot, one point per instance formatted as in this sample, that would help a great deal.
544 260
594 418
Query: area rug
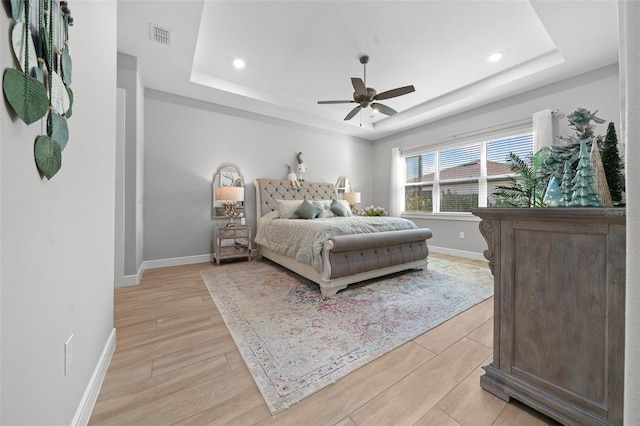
295 342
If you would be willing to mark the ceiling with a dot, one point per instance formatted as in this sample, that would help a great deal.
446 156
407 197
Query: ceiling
301 52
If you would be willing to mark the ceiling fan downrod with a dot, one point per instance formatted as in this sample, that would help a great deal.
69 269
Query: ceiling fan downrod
364 60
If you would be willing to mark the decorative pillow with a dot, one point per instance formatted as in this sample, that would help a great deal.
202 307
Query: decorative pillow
287 208
326 213
308 210
341 208
326 208
325 204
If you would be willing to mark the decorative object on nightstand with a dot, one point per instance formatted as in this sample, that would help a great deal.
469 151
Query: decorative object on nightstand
230 195
232 241
352 198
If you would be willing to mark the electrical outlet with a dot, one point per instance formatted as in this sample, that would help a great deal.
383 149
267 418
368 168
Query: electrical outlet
462 235
68 354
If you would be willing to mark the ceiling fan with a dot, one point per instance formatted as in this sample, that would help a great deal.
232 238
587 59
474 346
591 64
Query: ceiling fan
367 96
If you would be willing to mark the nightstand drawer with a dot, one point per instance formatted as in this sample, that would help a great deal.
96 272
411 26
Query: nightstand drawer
231 232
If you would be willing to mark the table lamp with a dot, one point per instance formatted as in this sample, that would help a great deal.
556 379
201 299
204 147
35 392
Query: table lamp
230 195
352 198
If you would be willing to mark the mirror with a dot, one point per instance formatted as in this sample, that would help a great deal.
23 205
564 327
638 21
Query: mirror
228 174
343 185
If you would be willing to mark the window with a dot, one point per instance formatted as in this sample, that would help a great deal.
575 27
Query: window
458 178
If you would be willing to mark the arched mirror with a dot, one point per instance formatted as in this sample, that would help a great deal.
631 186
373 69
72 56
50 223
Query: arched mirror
343 185
228 175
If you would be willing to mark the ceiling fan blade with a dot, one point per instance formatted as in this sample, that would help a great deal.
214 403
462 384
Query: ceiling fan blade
359 87
336 102
394 92
383 109
352 113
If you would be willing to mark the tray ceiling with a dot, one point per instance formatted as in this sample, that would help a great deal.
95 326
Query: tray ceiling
299 52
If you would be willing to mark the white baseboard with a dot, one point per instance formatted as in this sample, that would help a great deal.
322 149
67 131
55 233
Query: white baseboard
204 258
460 253
88 401
176 261
129 280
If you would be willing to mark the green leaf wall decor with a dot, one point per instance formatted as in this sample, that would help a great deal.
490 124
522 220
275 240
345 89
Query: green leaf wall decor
16 9
37 74
26 95
59 95
66 68
41 82
70 110
48 156
59 131
18 38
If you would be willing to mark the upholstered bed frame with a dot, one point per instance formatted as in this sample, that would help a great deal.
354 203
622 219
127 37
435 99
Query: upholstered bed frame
346 259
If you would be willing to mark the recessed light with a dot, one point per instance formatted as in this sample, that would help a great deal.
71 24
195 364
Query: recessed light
495 57
239 63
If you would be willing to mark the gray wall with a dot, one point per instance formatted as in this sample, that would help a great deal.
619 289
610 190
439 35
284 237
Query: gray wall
56 236
186 141
597 90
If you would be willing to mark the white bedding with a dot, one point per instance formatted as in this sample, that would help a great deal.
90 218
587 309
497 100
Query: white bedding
303 239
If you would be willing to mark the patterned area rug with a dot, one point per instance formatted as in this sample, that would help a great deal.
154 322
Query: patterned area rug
295 342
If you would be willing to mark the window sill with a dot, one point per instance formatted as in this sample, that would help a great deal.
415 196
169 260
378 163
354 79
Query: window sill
464 217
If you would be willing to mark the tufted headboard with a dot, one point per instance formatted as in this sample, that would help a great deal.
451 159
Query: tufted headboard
269 190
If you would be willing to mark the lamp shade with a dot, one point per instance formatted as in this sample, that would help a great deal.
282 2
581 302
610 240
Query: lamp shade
351 197
230 193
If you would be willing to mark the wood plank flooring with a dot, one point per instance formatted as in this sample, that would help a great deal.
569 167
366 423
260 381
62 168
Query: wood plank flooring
176 364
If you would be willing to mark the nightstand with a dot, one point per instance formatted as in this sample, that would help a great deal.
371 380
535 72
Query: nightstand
232 242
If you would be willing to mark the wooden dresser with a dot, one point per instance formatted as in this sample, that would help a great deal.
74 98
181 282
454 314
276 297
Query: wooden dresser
559 278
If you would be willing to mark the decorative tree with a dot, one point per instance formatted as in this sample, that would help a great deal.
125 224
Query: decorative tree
613 164
553 195
582 193
599 177
565 186
581 122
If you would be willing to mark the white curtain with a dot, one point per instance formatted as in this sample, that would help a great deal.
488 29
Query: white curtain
396 194
542 129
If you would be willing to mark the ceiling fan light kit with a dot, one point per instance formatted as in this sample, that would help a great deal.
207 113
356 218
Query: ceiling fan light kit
366 96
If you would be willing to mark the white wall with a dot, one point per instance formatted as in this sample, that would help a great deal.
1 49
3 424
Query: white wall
129 79
186 141
57 236
597 90
629 13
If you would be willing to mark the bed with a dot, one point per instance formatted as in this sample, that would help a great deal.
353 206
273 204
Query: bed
339 250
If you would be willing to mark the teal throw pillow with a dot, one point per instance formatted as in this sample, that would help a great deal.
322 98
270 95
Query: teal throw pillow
340 208
308 210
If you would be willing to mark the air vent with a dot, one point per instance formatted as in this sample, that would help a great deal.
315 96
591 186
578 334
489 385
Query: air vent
160 35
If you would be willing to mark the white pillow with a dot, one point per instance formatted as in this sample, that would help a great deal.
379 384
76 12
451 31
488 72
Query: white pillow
287 208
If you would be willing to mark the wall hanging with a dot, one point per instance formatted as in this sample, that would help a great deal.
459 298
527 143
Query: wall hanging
40 84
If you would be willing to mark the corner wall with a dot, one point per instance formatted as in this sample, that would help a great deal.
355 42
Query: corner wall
133 167
56 237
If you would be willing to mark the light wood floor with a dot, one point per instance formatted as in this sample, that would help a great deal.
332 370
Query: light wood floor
175 363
